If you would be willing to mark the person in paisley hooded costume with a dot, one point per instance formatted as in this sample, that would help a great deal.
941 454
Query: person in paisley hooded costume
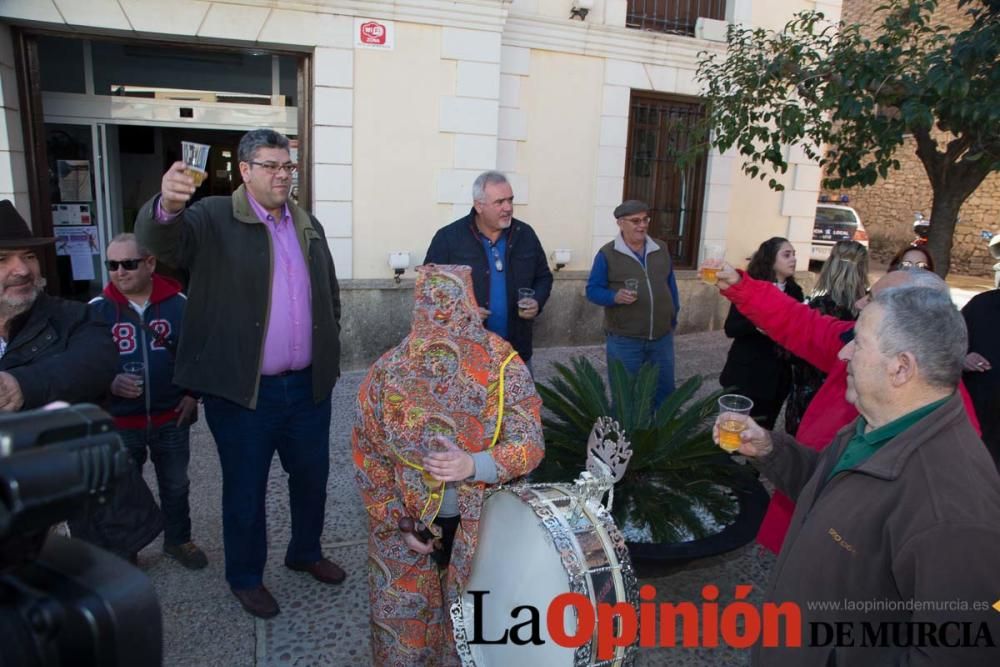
452 383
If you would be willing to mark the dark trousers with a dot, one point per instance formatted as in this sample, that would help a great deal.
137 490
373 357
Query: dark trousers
766 410
169 448
287 421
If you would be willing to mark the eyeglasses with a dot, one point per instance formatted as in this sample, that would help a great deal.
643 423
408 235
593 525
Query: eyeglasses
273 167
497 262
127 264
638 221
907 264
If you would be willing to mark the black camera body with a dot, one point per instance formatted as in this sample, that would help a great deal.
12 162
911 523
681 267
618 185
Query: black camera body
63 601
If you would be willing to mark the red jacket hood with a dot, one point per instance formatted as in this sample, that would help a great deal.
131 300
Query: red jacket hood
163 289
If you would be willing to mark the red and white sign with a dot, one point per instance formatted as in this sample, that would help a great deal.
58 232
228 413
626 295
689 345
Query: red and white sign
372 34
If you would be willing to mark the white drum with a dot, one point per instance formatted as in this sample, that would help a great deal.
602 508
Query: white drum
536 542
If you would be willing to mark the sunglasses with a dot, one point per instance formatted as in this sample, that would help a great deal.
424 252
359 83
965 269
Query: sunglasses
127 264
497 262
907 264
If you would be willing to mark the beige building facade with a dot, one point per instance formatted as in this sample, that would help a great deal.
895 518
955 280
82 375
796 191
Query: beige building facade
397 106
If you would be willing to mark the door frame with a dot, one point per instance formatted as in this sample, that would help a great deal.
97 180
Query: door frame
41 107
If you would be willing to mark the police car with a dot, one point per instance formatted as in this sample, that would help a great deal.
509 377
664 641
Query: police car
835 222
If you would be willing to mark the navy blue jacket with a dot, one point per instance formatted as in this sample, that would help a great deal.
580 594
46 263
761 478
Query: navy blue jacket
525 266
151 340
59 352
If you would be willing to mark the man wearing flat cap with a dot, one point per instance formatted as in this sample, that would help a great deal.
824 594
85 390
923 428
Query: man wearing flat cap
50 348
633 279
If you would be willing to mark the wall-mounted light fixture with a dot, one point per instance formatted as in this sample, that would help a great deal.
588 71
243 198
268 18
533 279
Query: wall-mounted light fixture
580 9
399 262
562 257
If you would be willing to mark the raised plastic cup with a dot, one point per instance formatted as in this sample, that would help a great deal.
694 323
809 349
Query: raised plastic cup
195 157
712 259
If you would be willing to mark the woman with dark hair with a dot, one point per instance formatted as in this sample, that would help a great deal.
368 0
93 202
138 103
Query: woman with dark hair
756 366
912 257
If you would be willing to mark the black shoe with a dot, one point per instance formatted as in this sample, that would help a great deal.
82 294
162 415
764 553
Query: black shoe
187 554
257 601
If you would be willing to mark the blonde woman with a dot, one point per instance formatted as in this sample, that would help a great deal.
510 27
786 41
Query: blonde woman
842 283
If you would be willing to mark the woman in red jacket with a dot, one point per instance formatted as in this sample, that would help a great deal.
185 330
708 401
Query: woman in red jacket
816 338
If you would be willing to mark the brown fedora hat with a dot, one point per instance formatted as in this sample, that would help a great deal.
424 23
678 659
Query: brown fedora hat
14 232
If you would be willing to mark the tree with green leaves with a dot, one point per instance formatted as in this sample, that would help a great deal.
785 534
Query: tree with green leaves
850 101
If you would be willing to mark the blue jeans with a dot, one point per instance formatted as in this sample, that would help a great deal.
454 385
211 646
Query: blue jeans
287 421
634 352
169 449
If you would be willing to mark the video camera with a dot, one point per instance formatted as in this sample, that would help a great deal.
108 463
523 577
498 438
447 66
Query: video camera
63 601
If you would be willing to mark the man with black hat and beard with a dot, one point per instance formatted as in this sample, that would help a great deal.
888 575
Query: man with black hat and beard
50 349
633 278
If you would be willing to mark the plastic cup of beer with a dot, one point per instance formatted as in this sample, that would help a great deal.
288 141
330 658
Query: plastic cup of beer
524 296
195 160
713 257
632 285
735 411
435 444
136 369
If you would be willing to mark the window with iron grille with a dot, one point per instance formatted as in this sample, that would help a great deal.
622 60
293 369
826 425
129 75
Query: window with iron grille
674 16
660 129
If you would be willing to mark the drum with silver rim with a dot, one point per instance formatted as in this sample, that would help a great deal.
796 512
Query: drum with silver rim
536 542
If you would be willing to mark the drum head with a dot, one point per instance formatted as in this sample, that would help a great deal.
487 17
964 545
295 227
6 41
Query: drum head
518 564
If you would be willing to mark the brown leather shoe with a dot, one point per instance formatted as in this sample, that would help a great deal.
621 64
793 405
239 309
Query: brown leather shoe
257 601
324 570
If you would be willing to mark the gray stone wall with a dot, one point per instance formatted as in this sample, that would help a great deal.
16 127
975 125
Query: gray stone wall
376 314
886 208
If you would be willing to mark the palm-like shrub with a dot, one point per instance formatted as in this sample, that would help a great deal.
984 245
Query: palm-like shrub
678 482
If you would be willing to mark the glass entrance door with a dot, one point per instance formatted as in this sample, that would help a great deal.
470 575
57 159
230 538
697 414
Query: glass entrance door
77 201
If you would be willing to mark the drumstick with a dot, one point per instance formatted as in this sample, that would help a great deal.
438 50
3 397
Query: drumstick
408 525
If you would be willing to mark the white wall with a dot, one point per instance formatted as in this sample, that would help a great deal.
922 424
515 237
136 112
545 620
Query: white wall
399 148
561 101
13 175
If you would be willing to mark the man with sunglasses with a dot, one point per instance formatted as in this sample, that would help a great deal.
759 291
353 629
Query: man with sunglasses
633 279
505 256
261 346
145 313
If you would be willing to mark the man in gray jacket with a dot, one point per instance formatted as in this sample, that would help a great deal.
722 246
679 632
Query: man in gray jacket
893 548
261 345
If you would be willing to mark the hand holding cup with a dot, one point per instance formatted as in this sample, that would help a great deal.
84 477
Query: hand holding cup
713 259
176 188
447 462
629 293
527 306
736 432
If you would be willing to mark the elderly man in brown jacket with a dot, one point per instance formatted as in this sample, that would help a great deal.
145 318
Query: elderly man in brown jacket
893 555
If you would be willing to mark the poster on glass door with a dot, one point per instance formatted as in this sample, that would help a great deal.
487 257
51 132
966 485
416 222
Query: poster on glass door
70 214
80 244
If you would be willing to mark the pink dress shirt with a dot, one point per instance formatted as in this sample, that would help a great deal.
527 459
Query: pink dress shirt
288 339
